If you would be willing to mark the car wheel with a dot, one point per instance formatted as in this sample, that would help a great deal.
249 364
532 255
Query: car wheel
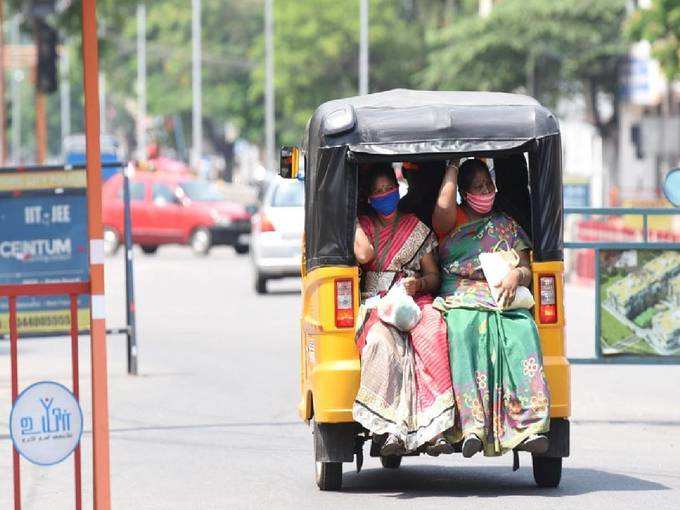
241 249
547 471
149 249
111 241
391 461
200 241
260 284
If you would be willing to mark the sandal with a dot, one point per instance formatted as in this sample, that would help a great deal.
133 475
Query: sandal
393 446
535 443
471 445
438 447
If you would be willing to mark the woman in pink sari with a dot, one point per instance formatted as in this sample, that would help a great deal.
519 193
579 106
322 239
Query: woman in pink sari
405 390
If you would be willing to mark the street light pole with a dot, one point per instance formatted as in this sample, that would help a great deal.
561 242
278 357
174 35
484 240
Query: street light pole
270 127
141 81
363 47
197 114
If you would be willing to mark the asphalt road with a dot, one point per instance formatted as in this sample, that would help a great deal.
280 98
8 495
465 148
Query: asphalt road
210 423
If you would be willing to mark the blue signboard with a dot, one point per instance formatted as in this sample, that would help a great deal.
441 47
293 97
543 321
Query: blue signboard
576 194
44 240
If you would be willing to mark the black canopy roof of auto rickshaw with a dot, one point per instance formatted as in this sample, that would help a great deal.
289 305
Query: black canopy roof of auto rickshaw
410 125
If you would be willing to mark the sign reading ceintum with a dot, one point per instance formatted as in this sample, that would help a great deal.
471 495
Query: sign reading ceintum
43 220
46 423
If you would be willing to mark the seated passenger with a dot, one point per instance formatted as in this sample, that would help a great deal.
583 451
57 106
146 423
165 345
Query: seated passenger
405 389
501 393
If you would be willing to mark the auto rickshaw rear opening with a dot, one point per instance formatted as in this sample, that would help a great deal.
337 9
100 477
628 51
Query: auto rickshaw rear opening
418 126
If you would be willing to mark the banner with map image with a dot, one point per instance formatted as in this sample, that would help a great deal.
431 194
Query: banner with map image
640 302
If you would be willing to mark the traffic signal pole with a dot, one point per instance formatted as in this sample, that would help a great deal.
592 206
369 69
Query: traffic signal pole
100 410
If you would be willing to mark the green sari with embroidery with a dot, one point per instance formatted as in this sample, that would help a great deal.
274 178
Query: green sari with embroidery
496 362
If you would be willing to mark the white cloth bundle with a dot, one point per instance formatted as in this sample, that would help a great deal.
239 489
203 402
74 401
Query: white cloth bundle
496 266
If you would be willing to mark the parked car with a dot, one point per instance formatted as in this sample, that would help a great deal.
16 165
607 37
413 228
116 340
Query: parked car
173 209
277 229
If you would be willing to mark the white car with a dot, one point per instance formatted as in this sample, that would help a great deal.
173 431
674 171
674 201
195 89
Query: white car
276 235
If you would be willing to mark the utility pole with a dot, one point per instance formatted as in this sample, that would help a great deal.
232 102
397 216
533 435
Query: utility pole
65 94
40 112
141 81
270 127
197 113
15 92
363 47
102 102
3 116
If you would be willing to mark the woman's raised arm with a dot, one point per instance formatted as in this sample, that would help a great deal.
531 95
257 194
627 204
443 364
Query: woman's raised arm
363 249
444 215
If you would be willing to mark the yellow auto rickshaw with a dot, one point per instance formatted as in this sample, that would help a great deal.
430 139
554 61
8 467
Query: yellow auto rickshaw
405 125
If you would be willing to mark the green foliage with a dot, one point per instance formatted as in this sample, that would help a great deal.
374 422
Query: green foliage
644 320
660 25
317 50
555 45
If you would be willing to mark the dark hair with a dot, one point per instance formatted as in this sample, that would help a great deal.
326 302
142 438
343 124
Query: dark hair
468 170
368 173
383 170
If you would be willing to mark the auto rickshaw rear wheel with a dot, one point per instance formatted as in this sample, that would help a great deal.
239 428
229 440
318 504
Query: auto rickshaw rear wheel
329 475
547 471
391 461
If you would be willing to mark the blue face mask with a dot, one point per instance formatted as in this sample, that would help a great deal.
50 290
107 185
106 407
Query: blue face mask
385 203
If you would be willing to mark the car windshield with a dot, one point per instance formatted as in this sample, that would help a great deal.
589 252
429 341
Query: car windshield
289 194
200 191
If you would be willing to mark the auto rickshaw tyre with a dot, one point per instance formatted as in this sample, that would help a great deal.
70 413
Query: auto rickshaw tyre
391 461
260 284
329 476
149 249
547 471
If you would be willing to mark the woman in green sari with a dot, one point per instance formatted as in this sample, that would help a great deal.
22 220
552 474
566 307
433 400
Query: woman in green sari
495 354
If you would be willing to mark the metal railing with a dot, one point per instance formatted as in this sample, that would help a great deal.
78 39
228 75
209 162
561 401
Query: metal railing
598 247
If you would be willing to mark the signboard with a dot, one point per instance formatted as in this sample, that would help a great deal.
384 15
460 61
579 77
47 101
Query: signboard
43 220
576 194
46 423
640 302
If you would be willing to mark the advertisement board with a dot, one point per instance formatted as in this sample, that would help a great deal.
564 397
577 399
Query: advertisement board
43 219
640 302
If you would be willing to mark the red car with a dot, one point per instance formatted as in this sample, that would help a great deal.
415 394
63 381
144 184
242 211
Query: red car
173 209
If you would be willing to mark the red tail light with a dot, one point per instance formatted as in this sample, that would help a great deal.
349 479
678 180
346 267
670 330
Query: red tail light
264 223
547 309
344 303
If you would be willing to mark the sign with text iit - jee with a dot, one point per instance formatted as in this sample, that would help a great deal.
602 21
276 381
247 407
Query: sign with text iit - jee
43 220
46 423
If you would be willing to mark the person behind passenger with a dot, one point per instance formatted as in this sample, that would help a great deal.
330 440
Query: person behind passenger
499 385
424 180
405 389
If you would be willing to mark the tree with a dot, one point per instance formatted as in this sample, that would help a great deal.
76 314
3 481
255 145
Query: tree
317 50
548 49
660 25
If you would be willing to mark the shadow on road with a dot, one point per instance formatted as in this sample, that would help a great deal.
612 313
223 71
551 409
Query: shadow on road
486 482
281 292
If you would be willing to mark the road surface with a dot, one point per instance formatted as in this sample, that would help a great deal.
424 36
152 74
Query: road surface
211 424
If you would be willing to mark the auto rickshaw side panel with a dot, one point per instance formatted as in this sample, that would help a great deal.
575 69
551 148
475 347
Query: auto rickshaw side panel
555 364
331 369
